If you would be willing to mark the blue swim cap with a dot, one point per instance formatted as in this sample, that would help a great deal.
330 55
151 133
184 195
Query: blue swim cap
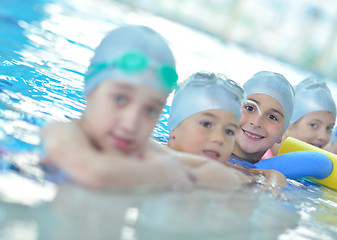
274 85
312 95
205 91
135 54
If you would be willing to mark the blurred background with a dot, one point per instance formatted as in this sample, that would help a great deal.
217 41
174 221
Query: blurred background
301 32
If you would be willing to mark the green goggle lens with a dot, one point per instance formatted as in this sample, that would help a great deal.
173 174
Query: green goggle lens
168 76
135 62
132 62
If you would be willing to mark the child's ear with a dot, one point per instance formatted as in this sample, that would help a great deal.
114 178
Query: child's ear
172 135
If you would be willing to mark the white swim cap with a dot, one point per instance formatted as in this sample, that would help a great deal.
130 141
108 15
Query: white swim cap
205 91
135 54
312 95
274 85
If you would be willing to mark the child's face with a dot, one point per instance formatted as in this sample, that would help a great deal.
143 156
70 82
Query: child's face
208 133
257 133
331 147
120 116
314 128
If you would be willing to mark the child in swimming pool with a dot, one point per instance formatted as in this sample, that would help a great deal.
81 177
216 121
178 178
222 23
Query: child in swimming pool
130 76
263 126
126 85
204 117
313 116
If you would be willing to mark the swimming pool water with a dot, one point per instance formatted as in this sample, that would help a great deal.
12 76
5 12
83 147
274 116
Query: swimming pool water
45 46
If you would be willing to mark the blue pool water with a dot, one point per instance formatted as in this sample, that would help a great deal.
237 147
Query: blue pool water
45 46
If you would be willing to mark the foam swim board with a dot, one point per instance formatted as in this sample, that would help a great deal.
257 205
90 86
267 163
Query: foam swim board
297 159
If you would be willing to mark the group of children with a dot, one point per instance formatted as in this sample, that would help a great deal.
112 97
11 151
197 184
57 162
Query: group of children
217 129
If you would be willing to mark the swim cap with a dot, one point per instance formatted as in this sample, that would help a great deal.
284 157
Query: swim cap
205 91
274 85
134 54
312 95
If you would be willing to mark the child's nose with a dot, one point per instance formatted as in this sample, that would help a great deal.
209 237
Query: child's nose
256 120
323 135
217 137
129 120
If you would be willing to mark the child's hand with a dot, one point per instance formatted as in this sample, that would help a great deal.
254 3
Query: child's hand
178 176
271 181
274 178
204 172
271 178
218 176
172 172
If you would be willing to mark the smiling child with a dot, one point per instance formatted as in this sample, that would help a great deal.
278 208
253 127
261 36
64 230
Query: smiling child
204 117
263 125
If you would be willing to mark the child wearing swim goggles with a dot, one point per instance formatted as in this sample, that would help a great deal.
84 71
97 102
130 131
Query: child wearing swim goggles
126 86
263 124
314 114
204 118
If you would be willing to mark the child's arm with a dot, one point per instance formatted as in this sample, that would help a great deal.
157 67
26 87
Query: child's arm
218 176
209 173
69 149
273 178
190 160
215 174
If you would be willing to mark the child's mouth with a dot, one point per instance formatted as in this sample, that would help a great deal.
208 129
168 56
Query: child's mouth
317 145
252 136
211 154
121 143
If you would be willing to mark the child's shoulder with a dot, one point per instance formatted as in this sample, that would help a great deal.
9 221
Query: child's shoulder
154 144
57 128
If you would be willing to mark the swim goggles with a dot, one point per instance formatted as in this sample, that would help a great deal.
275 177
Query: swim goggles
228 84
232 86
134 62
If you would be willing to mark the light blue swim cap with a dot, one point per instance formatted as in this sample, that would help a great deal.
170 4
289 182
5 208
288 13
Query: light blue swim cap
312 95
205 91
134 54
274 85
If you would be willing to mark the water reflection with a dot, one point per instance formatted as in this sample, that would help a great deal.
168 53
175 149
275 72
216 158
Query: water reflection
199 214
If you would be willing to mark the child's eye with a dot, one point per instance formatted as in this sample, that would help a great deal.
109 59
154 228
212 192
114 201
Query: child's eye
249 108
314 125
229 132
329 129
206 124
120 100
152 111
272 117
